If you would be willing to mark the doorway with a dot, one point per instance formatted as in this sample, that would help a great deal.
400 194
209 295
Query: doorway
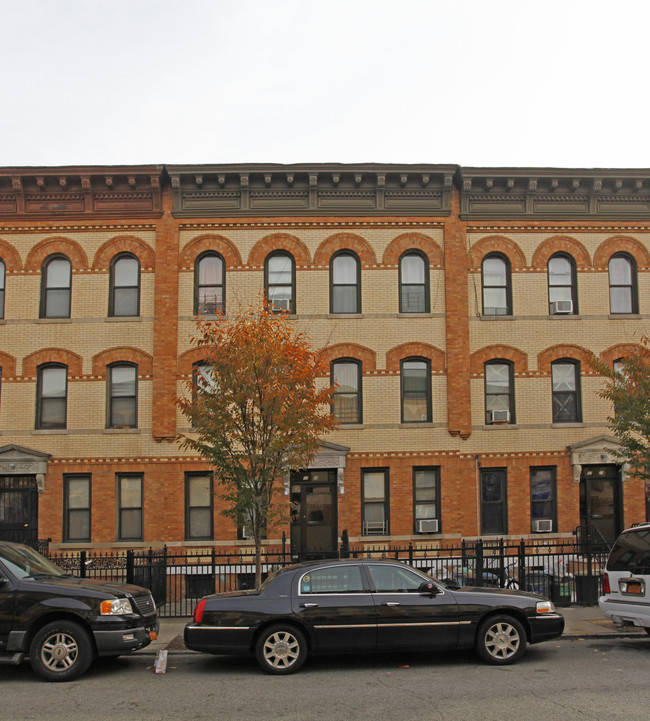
601 501
314 519
19 509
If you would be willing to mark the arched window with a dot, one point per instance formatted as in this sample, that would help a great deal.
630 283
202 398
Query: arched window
346 401
51 396
413 283
280 281
497 291
562 295
209 284
56 278
345 281
416 390
565 375
623 296
499 392
122 406
2 289
124 284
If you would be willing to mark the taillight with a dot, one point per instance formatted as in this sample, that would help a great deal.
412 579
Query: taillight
198 611
606 586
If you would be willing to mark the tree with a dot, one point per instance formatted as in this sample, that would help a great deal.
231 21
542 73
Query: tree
256 412
627 386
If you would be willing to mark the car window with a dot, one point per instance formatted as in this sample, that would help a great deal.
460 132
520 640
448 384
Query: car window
631 553
340 579
23 562
394 579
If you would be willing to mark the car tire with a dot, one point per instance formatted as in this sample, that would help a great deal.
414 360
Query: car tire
501 640
61 651
281 649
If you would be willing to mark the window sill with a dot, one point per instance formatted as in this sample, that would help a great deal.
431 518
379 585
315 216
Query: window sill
50 432
123 319
572 424
53 320
417 424
501 427
121 430
624 316
564 316
350 426
344 315
499 317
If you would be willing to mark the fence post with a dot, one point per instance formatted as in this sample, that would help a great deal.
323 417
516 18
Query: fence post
478 573
521 562
410 554
130 566
284 547
502 565
82 564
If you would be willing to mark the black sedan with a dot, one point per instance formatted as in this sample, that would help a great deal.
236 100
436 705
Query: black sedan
366 606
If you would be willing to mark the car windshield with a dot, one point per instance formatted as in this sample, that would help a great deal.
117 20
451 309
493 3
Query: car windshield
24 562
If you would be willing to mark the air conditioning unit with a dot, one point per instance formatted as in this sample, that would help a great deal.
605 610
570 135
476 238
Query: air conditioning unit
559 307
542 525
499 416
282 304
428 525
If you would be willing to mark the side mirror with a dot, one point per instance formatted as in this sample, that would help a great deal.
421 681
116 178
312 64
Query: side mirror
428 587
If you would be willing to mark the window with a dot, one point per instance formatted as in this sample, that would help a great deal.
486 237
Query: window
622 284
198 506
345 279
566 391
55 287
122 396
562 296
374 502
413 283
493 501
337 579
124 284
129 500
76 508
280 282
497 294
209 285
346 401
416 390
395 579
426 495
542 499
499 392
51 397
2 289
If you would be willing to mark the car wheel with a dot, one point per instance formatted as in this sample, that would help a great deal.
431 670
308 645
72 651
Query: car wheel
501 640
61 651
281 649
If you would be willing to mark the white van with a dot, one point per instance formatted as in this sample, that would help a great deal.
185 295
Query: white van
626 583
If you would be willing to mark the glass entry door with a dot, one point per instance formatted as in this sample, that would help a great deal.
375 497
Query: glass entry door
600 501
313 515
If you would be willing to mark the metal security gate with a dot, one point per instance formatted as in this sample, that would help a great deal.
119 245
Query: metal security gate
19 509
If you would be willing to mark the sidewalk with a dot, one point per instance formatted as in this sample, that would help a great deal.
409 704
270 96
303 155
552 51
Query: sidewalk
581 622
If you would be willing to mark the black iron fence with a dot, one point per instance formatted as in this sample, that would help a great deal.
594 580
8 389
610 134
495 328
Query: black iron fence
567 572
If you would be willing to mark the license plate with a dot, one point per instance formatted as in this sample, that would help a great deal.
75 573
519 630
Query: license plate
633 587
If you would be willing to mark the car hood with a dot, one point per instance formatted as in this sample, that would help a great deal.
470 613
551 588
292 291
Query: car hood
83 586
469 591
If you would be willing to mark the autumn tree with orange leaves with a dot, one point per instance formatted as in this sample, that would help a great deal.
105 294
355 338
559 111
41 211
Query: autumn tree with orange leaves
256 412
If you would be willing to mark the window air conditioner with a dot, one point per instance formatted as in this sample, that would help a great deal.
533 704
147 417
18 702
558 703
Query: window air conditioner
561 306
428 525
543 525
499 416
282 304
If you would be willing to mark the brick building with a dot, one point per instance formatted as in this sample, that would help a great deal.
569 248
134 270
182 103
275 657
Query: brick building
457 306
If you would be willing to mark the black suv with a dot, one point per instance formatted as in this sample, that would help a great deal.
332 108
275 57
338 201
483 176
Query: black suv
62 623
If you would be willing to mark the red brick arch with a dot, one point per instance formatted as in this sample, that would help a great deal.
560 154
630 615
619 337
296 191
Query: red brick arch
345 241
493 352
187 360
70 248
125 354
202 243
279 241
561 244
52 355
618 244
124 244
8 365
367 356
621 350
497 244
576 352
10 257
413 241
420 350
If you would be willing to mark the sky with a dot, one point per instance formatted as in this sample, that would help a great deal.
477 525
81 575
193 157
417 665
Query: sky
506 83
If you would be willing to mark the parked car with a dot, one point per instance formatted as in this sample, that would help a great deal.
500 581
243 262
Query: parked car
626 581
62 623
367 606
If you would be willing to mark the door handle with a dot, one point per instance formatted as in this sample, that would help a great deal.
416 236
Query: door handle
390 603
308 605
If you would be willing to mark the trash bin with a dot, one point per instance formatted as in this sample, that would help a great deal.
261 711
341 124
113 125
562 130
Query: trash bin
561 588
587 590
538 582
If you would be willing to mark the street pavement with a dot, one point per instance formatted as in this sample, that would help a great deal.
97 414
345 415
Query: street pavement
580 622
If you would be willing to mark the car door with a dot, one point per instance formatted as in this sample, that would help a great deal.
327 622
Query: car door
335 603
7 607
408 618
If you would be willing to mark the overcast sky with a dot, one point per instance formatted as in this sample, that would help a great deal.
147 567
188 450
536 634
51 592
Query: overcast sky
474 82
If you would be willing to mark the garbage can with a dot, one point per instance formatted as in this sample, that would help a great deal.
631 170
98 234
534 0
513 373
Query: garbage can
538 582
587 590
561 588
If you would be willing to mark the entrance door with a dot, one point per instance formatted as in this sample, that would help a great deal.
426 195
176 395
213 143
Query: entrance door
313 515
600 501
19 509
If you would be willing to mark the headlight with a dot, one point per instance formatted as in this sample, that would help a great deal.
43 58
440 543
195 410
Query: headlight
545 607
116 607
